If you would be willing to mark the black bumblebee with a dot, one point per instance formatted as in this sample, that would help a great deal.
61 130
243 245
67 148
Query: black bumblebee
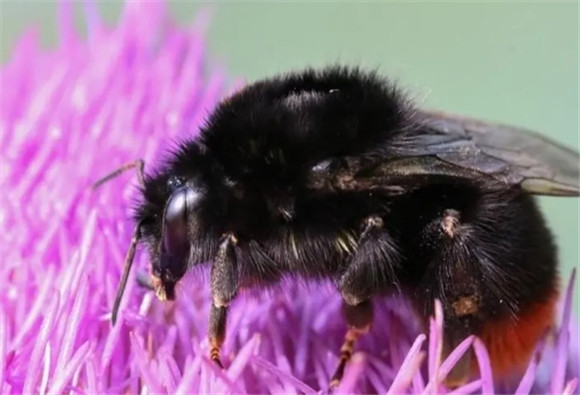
334 174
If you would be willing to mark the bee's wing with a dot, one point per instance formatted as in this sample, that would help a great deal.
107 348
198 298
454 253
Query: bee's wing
457 147
511 155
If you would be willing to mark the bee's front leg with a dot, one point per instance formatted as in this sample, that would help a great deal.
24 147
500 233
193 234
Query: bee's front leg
370 270
224 286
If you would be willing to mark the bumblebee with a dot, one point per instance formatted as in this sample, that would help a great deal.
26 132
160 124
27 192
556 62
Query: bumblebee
335 174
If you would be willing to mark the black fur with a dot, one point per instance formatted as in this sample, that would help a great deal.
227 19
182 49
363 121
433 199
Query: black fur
250 166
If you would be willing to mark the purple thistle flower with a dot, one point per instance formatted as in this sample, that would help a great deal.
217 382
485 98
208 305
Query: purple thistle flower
70 116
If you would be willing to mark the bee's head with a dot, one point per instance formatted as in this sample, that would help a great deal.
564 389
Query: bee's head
179 210
171 215
179 219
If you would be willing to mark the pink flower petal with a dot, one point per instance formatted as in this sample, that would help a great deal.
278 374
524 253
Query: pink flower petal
130 90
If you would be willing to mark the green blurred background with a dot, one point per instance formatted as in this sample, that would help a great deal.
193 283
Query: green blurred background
515 62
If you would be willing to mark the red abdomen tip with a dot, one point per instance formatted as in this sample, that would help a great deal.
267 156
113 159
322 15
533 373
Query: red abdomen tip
511 342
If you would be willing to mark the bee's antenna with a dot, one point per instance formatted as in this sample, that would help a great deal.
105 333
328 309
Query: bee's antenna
126 270
139 164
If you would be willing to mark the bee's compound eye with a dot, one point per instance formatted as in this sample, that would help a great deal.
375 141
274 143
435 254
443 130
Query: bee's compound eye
179 207
180 202
174 182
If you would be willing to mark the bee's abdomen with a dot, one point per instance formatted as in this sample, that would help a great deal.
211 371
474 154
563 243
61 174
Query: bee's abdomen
510 341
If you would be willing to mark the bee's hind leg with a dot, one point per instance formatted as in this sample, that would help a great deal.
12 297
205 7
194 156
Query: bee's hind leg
370 270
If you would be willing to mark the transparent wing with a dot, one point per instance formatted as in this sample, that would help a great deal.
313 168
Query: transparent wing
458 147
512 155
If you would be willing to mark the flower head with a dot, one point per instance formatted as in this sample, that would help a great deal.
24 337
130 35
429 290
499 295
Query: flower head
73 114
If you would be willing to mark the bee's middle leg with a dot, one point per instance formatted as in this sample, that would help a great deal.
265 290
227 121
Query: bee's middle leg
370 270
359 319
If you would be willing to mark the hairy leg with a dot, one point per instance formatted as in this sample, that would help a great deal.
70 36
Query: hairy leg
224 285
370 270
490 260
